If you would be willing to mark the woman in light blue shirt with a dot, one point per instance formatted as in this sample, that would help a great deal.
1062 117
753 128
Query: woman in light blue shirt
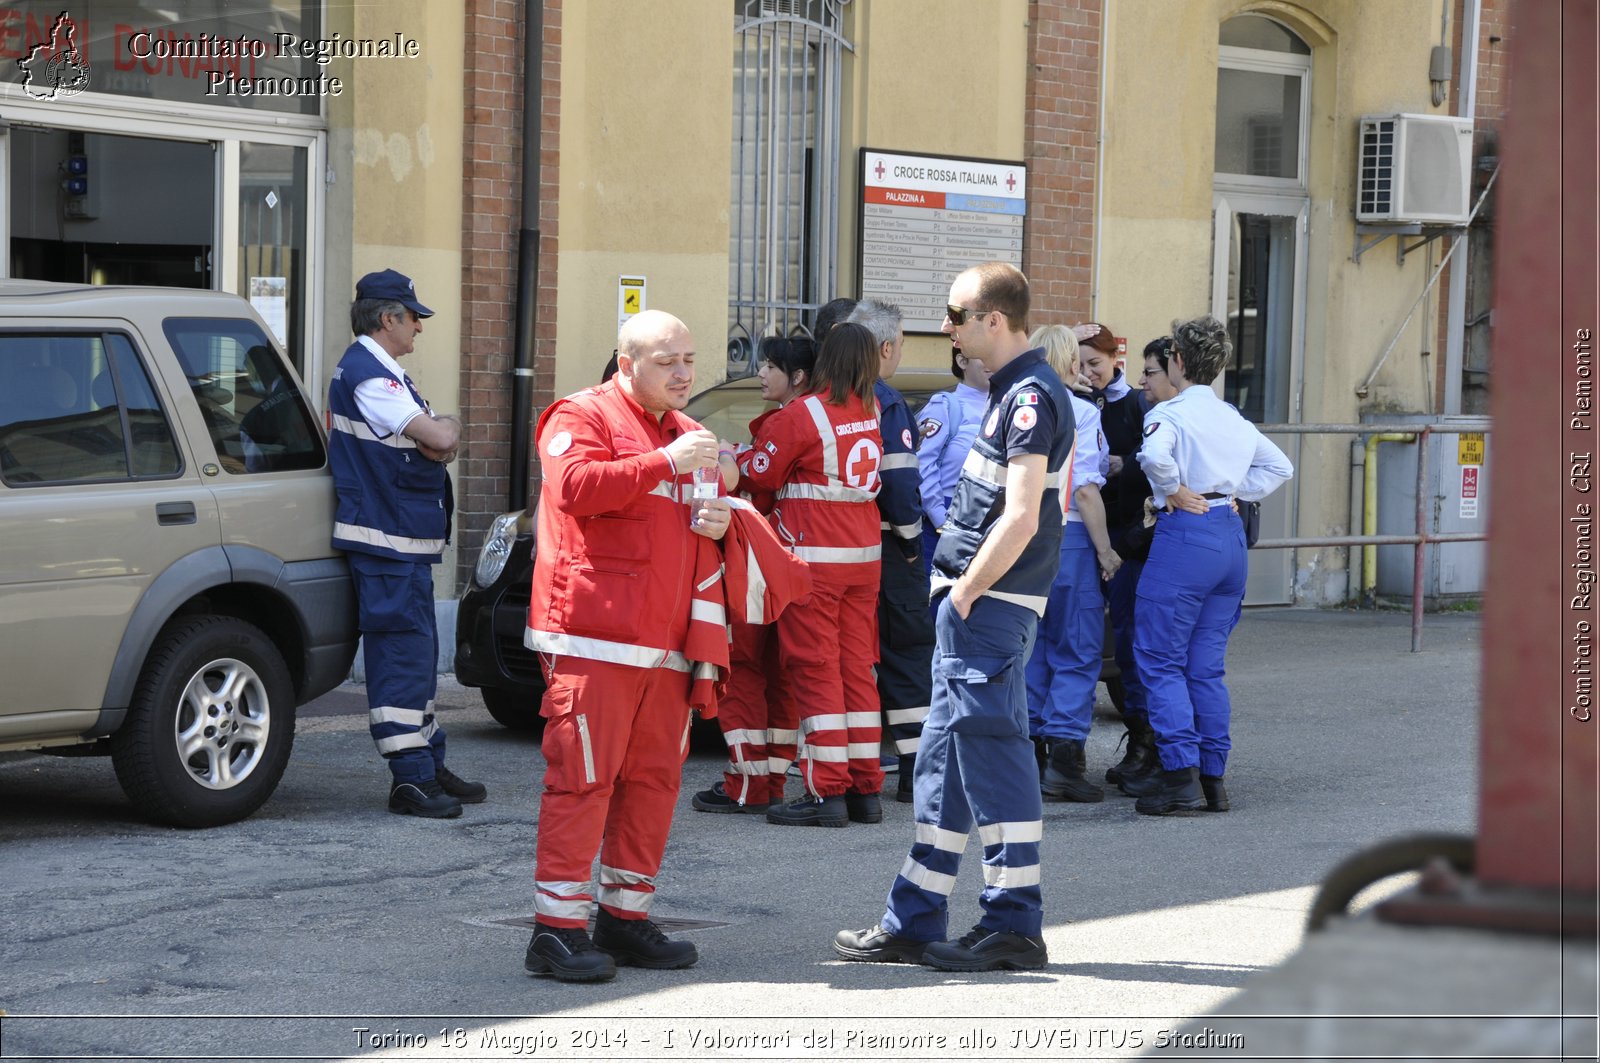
1199 455
949 424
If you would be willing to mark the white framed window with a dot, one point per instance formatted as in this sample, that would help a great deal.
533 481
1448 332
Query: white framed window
1263 107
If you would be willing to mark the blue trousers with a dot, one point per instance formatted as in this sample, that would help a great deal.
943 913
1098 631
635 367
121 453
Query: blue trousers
1189 602
400 645
1122 597
975 766
1065 664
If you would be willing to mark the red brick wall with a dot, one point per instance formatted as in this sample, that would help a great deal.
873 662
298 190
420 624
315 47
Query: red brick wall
1061 133
490 223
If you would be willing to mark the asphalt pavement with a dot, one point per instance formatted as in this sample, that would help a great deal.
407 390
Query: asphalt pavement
324 916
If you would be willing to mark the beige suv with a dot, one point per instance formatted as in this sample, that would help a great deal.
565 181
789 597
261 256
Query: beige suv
168 593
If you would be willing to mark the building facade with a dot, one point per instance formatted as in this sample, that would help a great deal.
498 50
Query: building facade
1141 160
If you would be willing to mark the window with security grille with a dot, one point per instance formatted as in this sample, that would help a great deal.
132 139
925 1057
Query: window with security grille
784 198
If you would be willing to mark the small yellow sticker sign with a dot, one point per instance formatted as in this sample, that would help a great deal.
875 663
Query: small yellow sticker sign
1469 449
632 298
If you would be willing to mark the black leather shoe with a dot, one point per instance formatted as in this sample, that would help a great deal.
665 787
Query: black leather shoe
1216 793
810 812
1180 792
908 769
1064 779
863 808
983 949
468 793
567 954
877 945
425 799
716 799
640 943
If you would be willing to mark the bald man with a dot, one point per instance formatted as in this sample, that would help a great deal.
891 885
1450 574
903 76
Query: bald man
610 615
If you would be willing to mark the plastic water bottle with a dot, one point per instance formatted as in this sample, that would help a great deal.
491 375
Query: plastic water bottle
706 482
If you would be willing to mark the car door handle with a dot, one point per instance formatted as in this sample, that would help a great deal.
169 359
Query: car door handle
175 513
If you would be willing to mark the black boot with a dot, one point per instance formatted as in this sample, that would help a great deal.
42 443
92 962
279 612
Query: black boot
1063 778
908 768
1139 751
1041 753
640 943
1216 793
1180 792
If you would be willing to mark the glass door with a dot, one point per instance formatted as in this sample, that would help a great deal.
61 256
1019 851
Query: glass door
270 205
1258 291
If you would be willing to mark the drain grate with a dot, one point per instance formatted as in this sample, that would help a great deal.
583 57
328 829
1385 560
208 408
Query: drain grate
525 922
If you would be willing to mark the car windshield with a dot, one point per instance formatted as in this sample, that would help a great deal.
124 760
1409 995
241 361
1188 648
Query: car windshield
728 408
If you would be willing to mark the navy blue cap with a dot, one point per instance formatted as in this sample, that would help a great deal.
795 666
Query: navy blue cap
388 284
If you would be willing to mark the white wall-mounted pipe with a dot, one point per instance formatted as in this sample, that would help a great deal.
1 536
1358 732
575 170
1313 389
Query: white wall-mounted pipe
1456 312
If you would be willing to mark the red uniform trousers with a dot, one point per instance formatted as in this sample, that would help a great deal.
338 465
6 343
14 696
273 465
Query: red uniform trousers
614 746
827 645
758 718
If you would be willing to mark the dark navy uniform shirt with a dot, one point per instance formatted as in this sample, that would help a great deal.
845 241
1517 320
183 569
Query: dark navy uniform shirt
900 497
1028 413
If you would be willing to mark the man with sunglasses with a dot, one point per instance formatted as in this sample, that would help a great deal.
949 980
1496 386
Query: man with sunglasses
388 451
996 559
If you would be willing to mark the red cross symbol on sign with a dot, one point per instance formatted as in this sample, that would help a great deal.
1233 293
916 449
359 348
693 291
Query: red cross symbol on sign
1011 183
879 170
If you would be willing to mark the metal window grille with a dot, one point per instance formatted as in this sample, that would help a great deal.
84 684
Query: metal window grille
784 226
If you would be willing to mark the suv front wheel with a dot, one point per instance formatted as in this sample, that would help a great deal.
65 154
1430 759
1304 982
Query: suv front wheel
212 721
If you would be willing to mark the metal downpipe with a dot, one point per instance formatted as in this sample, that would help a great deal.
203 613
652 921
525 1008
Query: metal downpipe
527 301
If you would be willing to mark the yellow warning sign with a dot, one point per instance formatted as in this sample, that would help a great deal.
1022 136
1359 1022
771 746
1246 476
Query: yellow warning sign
1469 450
630 298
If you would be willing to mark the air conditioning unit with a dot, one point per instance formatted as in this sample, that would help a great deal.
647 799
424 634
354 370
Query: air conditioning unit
1415 168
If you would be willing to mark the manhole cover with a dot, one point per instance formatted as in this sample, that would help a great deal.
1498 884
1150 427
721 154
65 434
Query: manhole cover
525 922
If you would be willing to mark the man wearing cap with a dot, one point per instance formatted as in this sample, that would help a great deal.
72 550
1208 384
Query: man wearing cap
388 451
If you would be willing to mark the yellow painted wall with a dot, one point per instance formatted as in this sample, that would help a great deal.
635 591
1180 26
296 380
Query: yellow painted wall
395 149
1156 225
927 76
646 153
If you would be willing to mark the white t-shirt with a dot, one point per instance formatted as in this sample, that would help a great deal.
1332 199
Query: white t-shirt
385 404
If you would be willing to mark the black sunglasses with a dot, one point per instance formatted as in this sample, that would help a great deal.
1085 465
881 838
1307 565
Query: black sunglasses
958 314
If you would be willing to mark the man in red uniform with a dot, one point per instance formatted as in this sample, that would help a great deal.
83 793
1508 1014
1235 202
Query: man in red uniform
610 615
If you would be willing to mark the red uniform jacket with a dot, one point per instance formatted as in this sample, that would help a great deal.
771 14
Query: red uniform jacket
618 575
614 570
822 462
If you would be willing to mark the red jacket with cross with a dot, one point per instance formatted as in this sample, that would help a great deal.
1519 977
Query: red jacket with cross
822 463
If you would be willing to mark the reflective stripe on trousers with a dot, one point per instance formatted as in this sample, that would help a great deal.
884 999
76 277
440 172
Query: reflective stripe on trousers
975 769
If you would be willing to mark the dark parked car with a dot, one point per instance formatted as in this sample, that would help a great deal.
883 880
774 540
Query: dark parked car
493 610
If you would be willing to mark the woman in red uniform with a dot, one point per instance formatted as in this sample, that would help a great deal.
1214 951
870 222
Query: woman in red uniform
758 713
820 457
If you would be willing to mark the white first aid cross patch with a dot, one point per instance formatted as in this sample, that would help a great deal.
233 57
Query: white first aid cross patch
1025 417
560 443
759 462
994 422
905 437
394 385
